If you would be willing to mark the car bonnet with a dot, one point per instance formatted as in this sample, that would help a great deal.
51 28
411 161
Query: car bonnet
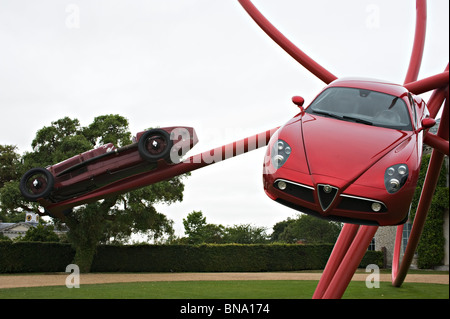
343 150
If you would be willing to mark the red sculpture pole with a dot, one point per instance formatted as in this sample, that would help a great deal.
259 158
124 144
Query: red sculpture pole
428 84
350 263
397 251
419 42
437 98
429 186
287 45
342 245
437 143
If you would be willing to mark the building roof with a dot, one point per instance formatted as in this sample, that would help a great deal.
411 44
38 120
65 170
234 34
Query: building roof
6 227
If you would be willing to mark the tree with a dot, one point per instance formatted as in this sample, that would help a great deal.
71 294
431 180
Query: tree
11 201
9 162
55 143
193 223
278 229
113 219
245 234
309 229
41 233
199 232
108 129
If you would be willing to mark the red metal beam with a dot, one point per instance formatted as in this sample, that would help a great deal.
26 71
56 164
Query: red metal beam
419 42
437 98
287 45
429 186
397 248
428 84
350 263
341 247
437 143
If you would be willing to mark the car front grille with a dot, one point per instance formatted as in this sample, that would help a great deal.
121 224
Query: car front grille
300 191
327 195
360 204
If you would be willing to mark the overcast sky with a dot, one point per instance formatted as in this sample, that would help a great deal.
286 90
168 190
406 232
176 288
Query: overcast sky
199 63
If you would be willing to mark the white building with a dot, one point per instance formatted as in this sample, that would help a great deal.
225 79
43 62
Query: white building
13 230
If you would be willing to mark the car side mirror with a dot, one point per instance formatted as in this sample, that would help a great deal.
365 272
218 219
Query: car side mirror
427 123
299 101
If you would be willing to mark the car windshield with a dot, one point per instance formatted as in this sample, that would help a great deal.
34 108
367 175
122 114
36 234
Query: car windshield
362 106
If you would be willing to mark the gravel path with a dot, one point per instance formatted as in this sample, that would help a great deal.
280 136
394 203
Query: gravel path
27 280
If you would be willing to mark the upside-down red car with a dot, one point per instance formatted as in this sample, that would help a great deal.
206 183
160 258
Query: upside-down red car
80 177
353 155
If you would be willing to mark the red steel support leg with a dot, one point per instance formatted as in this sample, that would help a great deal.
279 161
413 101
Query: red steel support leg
342 245
350 263
397 250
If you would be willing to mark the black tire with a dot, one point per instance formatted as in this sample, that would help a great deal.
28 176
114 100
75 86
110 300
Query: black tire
155 145
36 183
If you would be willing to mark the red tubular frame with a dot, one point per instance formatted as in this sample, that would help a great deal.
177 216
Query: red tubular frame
419 42
350 262
342 245
287 45
437 143
437 98
428 84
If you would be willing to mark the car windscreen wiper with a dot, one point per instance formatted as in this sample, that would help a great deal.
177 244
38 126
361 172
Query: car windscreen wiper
357 120
327 114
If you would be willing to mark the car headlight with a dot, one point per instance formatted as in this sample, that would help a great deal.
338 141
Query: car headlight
280 153
395 177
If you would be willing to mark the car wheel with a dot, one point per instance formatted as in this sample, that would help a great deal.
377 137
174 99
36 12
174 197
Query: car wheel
155 145
36 183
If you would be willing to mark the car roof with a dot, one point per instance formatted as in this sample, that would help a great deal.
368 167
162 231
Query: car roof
370 84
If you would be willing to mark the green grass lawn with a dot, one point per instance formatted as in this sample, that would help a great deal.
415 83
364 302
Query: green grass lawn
279 289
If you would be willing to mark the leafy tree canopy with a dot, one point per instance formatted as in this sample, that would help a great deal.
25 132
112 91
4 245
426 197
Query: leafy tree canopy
306 228
198 231
41 233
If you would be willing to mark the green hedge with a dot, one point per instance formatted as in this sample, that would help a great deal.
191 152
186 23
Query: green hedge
54 257
34 256
210 258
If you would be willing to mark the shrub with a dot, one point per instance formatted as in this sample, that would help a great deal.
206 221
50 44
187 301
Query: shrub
54 257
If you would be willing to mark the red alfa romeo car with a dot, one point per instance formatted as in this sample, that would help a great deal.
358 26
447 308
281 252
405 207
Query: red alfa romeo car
83 174
353 155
